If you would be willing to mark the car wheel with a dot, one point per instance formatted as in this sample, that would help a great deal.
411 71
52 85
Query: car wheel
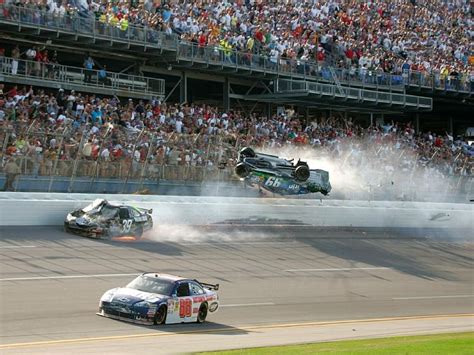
242 170
138 232
160 316
202 314
302 173
301 163
247 152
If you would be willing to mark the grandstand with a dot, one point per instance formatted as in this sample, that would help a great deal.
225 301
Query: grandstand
225 75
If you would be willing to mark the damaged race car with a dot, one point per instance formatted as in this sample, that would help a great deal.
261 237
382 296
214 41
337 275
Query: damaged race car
280 176
102 219
154 298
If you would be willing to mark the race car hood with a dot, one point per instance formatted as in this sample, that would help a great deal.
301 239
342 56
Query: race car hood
130 296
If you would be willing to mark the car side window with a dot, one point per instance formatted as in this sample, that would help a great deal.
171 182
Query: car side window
183 290
123 214
109 212
196 289
134 213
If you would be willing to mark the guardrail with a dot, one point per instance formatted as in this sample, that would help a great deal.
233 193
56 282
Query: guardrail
86 79
96 31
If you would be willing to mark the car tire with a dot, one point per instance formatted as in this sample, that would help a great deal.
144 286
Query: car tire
242 170
301 163
160 315
302 173
247 152
202 314
138 232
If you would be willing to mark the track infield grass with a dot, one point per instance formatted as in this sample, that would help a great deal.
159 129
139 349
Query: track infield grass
449 343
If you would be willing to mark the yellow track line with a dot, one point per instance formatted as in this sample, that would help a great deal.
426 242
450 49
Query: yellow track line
222 330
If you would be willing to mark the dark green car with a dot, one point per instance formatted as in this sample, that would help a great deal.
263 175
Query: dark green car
279 175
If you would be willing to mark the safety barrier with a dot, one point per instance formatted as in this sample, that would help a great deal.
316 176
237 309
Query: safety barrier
51 208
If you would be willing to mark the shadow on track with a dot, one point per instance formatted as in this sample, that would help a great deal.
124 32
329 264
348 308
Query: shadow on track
189 328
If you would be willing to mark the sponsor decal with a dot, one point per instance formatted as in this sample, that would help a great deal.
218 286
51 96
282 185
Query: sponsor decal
185 307
195 310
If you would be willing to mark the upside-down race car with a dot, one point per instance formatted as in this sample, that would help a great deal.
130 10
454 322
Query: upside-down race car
102 219
159 298
279 175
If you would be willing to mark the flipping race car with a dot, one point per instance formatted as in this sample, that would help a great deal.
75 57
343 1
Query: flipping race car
101 219
280 176
160 299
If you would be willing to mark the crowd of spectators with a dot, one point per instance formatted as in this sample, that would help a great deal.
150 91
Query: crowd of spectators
51 131
396 36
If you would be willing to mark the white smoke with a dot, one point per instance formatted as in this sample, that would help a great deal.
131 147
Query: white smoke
387 172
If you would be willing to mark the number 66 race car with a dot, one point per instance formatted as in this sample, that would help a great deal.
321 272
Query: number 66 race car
159 298
101 219
279 175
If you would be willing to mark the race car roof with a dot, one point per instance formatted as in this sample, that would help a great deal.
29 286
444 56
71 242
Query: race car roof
164 276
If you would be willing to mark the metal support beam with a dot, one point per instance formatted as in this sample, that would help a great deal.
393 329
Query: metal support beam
269 109
172 90
226 94
417 123
451 125
183 88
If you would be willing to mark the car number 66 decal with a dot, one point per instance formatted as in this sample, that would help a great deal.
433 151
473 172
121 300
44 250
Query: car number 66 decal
126 225
273 182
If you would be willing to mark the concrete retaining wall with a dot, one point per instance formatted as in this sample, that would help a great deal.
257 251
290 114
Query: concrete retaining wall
50 209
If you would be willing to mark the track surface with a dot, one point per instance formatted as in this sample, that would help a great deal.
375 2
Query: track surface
297 275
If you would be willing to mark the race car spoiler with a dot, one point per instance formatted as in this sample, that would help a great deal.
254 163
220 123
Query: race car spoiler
149 211
214 287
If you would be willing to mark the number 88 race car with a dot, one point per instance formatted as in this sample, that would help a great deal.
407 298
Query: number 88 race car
154 298
101 219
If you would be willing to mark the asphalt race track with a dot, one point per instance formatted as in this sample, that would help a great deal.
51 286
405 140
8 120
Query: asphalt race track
51 282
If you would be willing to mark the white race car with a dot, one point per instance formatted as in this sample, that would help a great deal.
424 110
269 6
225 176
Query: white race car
154 298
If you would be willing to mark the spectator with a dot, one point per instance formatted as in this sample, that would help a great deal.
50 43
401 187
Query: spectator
11 170
88 67
103 79
15 54
31 55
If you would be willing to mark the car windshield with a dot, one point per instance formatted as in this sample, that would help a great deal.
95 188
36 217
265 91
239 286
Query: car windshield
93 206
152 285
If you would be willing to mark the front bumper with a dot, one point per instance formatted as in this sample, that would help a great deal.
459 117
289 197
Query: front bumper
125 316
72 227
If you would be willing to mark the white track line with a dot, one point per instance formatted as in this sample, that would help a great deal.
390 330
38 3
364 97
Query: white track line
17 246
65 277
340 269
248 304
431 297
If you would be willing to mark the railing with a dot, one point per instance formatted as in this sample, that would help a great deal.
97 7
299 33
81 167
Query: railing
192 158
360 95
62 74
295 68
199 158
86 25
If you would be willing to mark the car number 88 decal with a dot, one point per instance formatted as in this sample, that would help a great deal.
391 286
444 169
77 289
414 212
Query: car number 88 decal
126 225
185 308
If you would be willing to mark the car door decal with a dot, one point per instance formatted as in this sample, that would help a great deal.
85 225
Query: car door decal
185 307
126 225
